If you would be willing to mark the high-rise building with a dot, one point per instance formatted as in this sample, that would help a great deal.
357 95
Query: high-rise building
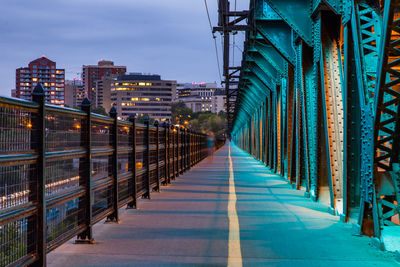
143 95
74 92
44 71
103 91
93 73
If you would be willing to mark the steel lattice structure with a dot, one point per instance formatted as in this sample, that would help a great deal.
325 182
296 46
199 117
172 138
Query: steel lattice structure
318 101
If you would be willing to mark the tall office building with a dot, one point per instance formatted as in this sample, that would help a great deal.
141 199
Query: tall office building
103 91
143 95
74 92
93 73
44 71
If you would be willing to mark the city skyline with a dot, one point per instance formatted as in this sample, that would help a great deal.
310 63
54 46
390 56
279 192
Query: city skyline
174 41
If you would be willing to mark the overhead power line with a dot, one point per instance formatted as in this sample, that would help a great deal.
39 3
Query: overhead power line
215 39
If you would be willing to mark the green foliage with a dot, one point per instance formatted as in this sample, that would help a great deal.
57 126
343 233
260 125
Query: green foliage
209 122
142 118
13 247
180 114
204 122
55 229
100 110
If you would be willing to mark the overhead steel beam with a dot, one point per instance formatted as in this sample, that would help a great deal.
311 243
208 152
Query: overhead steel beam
280 36
297 15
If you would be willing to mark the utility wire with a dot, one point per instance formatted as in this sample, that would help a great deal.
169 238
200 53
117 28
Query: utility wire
234 43
215 39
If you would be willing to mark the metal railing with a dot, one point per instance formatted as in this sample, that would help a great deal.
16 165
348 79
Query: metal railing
63 170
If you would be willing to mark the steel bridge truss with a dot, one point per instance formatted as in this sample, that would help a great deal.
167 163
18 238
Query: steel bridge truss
318 101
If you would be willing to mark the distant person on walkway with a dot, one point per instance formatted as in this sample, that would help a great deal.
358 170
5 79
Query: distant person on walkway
210 145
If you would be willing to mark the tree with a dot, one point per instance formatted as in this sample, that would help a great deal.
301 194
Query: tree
204 122
142 118
208 122
180 114
100 110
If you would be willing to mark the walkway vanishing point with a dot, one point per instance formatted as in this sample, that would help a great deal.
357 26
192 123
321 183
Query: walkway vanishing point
194 221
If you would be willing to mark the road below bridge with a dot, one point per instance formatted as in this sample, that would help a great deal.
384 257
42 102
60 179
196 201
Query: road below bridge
194 221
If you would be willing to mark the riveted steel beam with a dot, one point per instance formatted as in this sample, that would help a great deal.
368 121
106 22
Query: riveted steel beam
280 36
333 110
297 14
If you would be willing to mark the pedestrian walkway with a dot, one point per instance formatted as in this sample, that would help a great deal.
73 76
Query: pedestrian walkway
197 220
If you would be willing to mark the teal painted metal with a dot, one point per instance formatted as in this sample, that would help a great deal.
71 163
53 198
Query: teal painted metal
279 35
297 14
319 101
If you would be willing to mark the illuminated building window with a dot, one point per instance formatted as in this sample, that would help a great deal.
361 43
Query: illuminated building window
142 84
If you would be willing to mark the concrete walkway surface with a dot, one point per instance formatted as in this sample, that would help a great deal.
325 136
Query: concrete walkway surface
187 225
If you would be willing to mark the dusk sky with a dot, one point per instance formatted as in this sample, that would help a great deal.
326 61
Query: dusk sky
167 37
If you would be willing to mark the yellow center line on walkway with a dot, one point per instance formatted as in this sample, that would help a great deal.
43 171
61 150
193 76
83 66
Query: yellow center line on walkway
234 251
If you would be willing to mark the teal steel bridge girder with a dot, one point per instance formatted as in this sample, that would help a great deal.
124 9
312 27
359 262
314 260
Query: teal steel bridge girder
320 83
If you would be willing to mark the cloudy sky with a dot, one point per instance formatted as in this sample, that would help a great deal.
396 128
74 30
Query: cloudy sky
168 37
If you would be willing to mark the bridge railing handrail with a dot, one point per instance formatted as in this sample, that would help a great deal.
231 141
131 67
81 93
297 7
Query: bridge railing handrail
64 170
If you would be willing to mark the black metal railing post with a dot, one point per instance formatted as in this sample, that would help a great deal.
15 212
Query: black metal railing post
184 133
181 149
166 158
192 148
38 142
188 149
147 159
177 151
195 148
133 203
114 166
173 151
85 169
157 155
